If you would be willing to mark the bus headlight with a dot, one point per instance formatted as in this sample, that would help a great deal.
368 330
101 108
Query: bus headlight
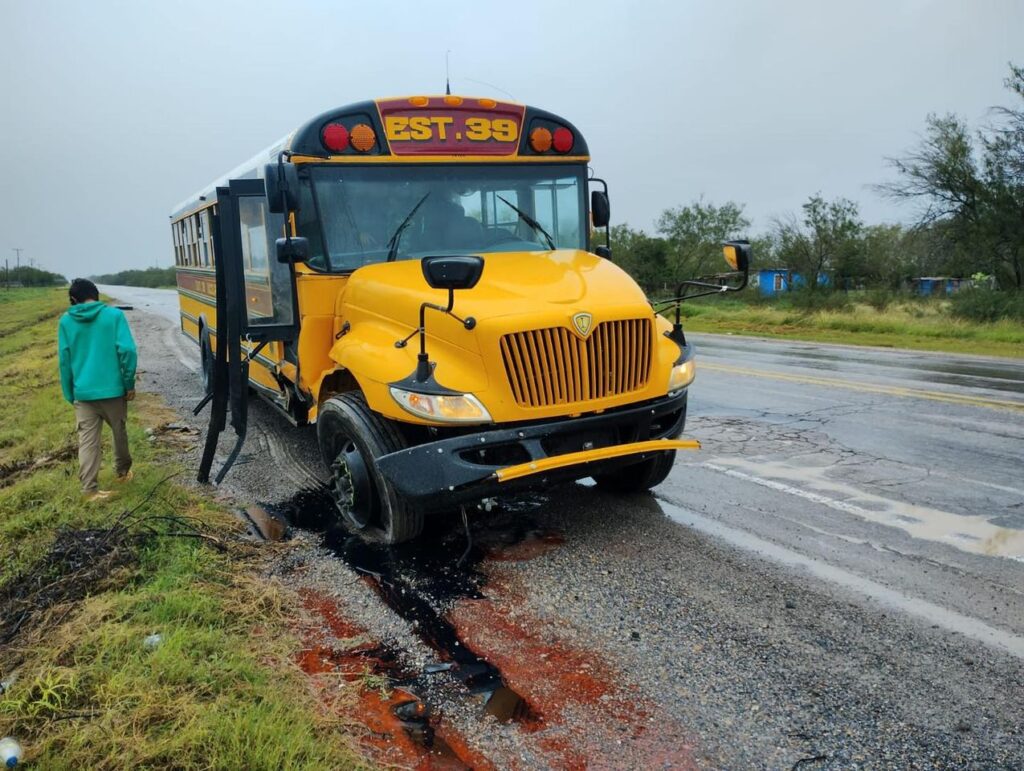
682 375
443 408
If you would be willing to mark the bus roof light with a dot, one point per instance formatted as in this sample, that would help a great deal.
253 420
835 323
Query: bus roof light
419 101
540 140
563 140
335 137
363 138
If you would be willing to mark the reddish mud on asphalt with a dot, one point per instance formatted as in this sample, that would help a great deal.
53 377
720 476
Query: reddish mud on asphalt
400 728
584 709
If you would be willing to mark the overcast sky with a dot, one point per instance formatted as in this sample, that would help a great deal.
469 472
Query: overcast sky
115 111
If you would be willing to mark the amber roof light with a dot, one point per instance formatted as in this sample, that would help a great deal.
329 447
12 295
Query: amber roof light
363 138
540 140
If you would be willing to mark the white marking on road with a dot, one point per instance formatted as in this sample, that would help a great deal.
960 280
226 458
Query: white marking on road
982 537
913 606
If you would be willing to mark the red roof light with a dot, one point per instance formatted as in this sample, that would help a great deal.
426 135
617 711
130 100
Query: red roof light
335 137
563 140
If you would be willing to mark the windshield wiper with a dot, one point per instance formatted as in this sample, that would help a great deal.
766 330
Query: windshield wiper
536 226
393 241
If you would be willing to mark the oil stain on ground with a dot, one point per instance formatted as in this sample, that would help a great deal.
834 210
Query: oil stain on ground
421 580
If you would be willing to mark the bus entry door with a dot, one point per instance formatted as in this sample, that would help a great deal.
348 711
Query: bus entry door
256 305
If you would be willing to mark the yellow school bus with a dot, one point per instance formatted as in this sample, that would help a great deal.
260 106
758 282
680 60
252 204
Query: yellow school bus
417 277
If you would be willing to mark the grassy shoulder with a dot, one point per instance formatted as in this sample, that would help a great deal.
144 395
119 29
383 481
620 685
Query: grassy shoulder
925 325
83 585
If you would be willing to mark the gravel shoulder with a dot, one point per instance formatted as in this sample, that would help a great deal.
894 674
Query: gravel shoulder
640 642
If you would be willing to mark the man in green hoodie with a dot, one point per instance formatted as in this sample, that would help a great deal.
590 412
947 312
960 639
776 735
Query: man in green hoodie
97 374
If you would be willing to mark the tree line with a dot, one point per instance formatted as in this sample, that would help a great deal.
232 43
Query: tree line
967 187
26 275
149 277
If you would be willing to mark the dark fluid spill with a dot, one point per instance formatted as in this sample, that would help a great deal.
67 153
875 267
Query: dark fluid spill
422 579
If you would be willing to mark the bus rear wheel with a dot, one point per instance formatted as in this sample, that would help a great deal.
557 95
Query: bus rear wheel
351 438
637 477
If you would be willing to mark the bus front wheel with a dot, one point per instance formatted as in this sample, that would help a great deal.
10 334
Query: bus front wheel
637 477
351 438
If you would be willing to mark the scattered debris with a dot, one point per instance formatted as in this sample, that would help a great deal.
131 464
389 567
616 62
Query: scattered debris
153 640
10 752
269 526
174 434
433 669
6 684
9 472
809 759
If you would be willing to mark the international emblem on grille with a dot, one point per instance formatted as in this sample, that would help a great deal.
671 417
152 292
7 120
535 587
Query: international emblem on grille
583 322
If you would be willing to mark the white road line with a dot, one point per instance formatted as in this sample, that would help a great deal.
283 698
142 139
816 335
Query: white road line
913 606
930 524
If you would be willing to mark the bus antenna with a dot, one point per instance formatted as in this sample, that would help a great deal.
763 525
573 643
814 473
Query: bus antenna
447 75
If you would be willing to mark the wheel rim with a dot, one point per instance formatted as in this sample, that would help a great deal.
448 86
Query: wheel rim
352 487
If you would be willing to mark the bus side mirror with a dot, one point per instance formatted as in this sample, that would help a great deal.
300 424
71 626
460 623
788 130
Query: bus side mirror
453 271
600 209
292 250
282 181
737 254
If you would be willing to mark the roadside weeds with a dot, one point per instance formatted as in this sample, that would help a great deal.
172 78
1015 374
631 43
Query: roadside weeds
85 587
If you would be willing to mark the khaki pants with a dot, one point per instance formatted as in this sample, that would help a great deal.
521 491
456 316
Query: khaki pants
91 416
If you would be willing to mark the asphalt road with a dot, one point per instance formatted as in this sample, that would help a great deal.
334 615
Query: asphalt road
835 579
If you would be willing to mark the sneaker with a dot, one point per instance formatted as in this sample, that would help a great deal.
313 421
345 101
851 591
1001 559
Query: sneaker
127 476
99 495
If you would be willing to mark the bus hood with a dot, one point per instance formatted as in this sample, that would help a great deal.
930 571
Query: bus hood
512 283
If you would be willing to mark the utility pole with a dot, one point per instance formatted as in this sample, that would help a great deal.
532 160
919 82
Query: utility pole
17 257
7 273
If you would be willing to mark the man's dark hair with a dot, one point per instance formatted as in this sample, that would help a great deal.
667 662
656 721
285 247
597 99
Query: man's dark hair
82 290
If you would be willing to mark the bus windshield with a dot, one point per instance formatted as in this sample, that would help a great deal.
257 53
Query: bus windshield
351 214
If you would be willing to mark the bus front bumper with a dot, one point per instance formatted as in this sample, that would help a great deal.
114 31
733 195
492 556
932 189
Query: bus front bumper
498 461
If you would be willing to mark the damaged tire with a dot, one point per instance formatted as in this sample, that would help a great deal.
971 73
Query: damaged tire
637 477
351 438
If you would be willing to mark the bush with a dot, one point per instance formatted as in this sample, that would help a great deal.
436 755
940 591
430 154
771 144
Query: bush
979 304
818 300
879 299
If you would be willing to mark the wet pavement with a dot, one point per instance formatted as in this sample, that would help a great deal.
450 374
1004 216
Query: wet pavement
836 578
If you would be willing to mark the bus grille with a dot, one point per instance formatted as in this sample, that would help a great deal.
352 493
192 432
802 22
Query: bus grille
553 366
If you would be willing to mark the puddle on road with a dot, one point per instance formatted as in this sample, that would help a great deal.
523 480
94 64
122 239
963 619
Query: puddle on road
421 580
973 534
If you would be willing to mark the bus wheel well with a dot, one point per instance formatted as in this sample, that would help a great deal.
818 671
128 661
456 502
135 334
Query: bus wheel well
337 382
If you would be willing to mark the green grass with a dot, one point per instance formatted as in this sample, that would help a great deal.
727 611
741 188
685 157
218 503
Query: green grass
221 689
921 325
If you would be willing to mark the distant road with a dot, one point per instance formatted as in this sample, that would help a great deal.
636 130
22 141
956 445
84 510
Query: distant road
162 302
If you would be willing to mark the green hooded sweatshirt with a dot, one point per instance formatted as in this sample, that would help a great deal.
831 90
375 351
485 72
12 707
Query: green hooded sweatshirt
97 353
